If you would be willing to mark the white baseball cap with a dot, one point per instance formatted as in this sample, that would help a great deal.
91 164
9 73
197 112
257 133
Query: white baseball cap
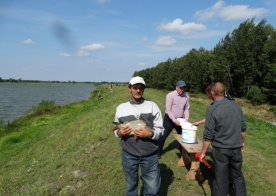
137 80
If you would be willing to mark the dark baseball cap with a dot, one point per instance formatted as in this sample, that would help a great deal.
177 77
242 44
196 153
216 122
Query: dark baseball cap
181 83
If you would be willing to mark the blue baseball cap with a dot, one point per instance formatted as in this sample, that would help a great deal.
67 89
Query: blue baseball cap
181 83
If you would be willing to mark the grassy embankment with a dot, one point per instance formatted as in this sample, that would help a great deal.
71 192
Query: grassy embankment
72 151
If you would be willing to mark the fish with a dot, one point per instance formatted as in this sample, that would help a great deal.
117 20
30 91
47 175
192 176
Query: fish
134 124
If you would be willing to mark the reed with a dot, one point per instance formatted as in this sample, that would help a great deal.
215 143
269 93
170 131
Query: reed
45 106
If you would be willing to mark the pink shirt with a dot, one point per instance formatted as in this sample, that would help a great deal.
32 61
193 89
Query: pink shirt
177 106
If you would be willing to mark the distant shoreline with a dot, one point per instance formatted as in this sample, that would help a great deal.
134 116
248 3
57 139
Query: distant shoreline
56 81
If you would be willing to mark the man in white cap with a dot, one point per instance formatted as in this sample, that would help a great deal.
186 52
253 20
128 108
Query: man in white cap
140 146
177 106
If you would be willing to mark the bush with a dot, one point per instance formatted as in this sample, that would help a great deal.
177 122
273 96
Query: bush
273 109
256 95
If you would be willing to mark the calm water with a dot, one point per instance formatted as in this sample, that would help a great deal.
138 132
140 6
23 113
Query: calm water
17 98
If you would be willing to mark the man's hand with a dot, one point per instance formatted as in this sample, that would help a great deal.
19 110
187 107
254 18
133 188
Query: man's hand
202 156
196 123
177 122
242 148
125 131
143 133
204 149
199 122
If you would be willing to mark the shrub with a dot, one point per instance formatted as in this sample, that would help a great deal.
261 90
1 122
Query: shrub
273 109
256 95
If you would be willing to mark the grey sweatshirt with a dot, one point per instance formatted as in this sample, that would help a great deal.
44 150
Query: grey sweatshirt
151 114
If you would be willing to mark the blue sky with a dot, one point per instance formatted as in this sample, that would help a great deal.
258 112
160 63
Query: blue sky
107 40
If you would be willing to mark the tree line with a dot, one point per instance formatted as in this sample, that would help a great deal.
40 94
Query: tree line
244 60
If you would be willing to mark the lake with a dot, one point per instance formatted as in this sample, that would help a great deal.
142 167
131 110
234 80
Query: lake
17 98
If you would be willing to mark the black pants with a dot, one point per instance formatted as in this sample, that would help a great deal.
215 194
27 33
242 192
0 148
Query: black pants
228 164
169 125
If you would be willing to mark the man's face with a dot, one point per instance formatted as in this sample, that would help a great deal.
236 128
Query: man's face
137 91
180 90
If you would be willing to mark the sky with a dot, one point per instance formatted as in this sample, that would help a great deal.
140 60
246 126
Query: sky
108 40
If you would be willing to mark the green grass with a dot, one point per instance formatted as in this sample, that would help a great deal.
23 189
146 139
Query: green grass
72 151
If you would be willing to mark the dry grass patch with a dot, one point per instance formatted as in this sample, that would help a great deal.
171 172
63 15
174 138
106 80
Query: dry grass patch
263 112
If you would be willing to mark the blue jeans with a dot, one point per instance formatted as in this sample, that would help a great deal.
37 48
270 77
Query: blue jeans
150 173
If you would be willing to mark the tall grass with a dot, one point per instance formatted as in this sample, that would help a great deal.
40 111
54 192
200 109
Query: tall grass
43 107
72 151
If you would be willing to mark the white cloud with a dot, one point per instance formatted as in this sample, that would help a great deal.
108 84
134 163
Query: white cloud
178 26
165 41
230 12
28 41
91 47
64 54
86 49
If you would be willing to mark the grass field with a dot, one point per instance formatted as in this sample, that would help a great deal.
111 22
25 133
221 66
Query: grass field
72 151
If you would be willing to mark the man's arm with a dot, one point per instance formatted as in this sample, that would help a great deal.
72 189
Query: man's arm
169 102
197 123
157 129
120 131
208 133
243 134
187 109
205 146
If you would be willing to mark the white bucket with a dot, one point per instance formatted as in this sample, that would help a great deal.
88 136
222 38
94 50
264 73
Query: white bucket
189 136
188 131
